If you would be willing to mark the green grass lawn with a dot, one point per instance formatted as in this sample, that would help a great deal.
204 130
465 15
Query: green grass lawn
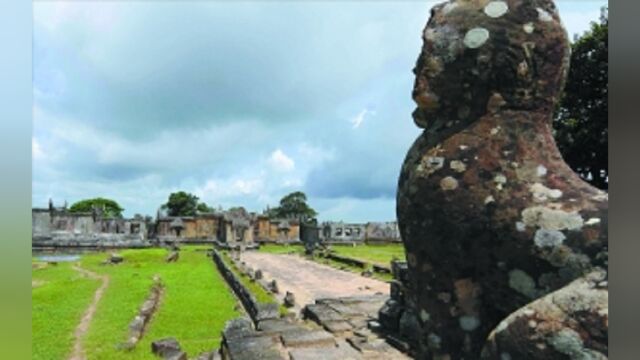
379 254
194 308
59 297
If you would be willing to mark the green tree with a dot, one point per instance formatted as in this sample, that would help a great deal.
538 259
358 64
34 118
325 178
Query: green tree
581 121
181 204
293 206
203 208
109 208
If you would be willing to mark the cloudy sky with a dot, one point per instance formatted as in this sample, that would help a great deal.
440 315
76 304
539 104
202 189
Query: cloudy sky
239 103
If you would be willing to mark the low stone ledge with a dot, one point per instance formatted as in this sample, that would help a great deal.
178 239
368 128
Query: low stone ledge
138 325
378 268
257 311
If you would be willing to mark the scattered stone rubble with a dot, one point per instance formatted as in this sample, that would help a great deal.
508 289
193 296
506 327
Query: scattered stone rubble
113 259
490 215
137 327
173 256
168 349
289 299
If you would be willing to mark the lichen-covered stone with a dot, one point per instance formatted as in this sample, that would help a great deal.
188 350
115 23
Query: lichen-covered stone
484 193
569 323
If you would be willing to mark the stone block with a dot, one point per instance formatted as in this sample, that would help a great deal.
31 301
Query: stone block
389 315
297 338
337 327
237 328
343 351
168 348
321 313
266 347
277 325
267 311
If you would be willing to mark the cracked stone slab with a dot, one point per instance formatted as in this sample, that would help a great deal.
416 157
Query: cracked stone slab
278 325
343 351
337 327
297 338
267 347
321 313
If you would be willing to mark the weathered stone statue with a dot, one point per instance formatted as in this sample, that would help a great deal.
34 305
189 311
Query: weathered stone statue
491 216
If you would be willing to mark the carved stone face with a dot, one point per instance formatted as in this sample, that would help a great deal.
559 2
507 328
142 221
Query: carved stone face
480 55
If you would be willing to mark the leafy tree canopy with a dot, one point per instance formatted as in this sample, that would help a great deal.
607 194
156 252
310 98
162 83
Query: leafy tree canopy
293 206
203 208
109 207
581 121
181 204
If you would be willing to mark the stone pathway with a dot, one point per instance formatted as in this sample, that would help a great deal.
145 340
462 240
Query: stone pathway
310 281
83 326
335 329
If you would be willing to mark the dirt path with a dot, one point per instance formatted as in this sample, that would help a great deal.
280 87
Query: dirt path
83 326
308 280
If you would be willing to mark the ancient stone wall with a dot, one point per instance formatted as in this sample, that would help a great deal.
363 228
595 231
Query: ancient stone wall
57 227
340 232
256 310
382 232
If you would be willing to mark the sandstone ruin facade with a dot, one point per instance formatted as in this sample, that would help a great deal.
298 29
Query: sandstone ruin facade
57 226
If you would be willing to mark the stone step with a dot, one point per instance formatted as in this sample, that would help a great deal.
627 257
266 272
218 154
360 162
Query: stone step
306 338
342 351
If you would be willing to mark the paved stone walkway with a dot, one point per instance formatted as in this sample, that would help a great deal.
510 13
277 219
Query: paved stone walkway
310 281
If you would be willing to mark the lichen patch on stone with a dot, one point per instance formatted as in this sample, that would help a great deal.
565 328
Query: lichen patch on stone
542 193
543 15
449 183
500 180
541 170
528 28
592 221
551 219
496 9
430 164
548 238
449 7
458 166
476 37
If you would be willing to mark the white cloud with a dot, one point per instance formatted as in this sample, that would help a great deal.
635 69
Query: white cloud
357 120
281 162
36 150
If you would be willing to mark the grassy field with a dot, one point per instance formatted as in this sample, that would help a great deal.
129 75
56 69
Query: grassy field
379 254
59 296
195 305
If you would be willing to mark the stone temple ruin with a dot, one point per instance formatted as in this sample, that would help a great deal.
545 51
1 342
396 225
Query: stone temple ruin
57 226
507 247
